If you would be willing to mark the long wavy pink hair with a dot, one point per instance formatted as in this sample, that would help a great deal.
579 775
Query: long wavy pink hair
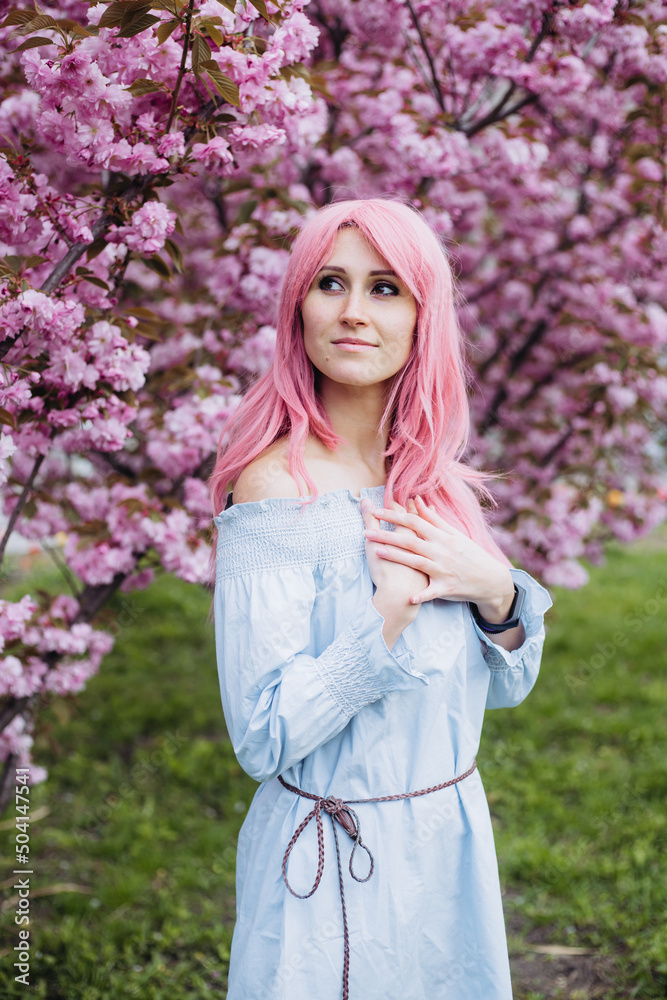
427 408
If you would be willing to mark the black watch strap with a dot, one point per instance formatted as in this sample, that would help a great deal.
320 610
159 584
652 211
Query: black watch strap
512 619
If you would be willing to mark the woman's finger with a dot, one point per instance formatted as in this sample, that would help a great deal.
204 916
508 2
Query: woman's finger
403 518
370 520
407 540
424 595
430 514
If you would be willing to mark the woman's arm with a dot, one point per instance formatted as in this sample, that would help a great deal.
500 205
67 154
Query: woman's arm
281 702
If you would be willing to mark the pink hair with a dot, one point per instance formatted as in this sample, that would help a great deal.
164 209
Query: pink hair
430 426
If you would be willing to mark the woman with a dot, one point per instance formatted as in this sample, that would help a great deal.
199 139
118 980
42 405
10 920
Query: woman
359 644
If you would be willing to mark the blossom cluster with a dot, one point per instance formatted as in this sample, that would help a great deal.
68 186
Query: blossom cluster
28 641
116 284
147 202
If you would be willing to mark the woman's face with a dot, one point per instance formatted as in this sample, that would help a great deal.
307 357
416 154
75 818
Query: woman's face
358 316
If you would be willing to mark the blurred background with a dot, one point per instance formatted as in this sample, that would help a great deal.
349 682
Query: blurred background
156 161
133 835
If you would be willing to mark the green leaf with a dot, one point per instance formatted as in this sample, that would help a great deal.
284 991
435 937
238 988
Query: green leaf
95 248
33 43
136 25
260 5
36 24
18 17
165 30
171 5
222 83
143 86
245 211
13 263
229 4
255 44
223 119
201 54
68 24
155 263
141 312
96 281
34 260
297 69
7 418
150 330
174 252
114 14
213 32
78 29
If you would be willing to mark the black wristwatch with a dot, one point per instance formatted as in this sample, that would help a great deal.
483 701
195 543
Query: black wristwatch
513 618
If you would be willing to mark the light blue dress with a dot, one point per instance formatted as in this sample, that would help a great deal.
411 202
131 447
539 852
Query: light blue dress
310 691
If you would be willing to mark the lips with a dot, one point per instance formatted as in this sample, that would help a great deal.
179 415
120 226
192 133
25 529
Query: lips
351 340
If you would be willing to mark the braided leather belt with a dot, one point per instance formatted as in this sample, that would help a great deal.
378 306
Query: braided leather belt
340 811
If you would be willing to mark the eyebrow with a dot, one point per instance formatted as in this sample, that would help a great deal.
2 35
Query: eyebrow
341 270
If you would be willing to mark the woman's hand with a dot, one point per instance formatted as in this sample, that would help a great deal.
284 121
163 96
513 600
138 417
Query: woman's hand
397 580
458 569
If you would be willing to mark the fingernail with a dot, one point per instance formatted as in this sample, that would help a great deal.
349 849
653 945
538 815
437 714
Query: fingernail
366 504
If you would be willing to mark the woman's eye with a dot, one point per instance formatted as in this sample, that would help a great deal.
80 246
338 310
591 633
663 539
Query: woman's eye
329 284
384 288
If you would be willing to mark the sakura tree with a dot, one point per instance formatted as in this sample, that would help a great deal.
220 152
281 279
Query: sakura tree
156 159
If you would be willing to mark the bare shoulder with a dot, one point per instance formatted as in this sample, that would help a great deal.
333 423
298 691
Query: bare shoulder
266 476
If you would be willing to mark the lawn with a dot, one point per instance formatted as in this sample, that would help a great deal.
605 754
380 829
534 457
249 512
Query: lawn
133 834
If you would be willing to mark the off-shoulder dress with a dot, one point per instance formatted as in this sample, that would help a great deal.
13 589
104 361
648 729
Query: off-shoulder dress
310 691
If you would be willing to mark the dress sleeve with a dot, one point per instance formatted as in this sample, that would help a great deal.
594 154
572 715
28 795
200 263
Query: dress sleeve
514 672
281 701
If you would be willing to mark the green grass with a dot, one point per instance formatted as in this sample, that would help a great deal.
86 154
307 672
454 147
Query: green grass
133 892
576 776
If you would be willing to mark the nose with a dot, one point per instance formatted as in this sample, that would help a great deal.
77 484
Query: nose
353 312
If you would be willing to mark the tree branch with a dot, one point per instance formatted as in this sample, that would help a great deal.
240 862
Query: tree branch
92 598
564 438
496 113
181 68
7 783
20 503
437 92
491 418
10 710
6 345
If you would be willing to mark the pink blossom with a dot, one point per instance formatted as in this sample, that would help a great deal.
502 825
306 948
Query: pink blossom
64 606
13 617
541 175
19 680
148 229
255 354
214 155
172 144
99 564
256 136
7 449
138 581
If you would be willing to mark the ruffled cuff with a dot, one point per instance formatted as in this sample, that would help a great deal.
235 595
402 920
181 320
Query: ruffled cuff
536 604
358 667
